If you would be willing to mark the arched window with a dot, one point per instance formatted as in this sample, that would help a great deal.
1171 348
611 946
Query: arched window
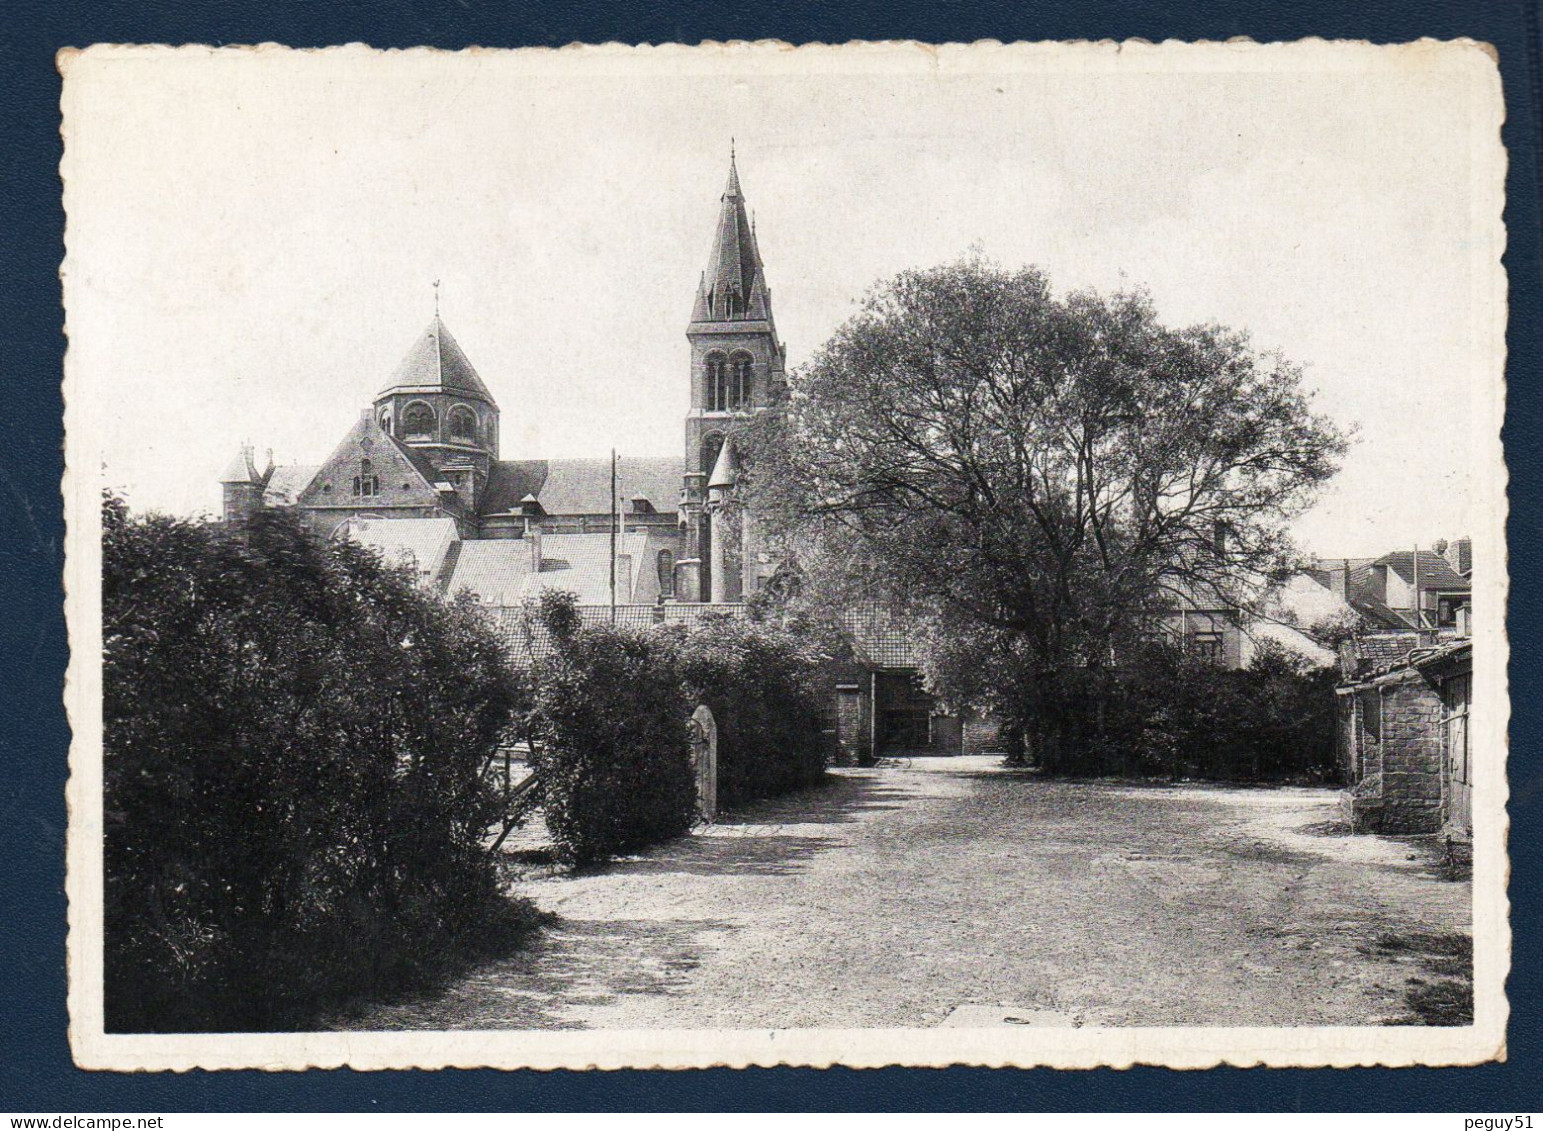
717 382
712 444
666 565
418 422
366 483
385 421
463 424
741 380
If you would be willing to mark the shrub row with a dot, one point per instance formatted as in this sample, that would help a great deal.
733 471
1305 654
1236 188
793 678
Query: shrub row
757 680
609 723
1168 712
296 739
609 737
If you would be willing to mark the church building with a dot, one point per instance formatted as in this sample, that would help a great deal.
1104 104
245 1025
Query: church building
420 477
419 474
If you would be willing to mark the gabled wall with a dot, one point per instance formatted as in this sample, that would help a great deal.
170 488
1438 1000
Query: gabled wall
403 491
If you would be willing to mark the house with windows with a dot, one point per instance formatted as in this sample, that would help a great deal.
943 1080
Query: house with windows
1419 589
1232 637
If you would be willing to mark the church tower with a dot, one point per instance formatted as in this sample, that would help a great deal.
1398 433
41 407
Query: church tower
437 405
737 369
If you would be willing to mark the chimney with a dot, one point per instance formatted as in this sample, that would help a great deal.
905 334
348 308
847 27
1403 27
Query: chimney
533 532
1464 620
1339 580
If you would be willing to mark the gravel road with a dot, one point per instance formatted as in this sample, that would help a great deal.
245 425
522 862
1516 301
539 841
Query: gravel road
956 891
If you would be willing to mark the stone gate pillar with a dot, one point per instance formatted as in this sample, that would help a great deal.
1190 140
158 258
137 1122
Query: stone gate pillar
704 758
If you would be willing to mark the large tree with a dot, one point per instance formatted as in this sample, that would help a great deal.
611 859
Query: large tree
1035 476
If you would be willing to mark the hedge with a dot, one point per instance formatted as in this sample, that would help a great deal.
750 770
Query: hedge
758 681
611 745
296 740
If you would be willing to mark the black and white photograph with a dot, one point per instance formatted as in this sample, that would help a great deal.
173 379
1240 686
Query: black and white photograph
750 555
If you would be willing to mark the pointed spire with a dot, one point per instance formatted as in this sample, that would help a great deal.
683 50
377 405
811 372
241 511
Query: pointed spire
732 188
733 286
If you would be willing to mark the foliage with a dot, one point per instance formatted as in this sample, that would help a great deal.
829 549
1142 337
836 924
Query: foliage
1336 628
295 791
611 746
1035 476
758 680
1169 712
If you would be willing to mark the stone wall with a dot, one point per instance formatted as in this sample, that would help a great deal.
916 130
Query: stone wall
1401 751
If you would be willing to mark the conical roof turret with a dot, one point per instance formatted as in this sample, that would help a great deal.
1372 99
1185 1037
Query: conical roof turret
725 474
243 468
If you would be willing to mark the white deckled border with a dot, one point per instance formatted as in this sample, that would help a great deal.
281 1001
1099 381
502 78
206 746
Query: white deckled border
1008 1046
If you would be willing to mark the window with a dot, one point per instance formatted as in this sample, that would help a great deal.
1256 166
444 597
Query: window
1208 645
717 382
418 422
712 444
366 483
741 379
385 422
463 424
1446 610
666 567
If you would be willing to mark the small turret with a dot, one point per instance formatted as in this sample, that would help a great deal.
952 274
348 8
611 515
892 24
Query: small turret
244 485
725 474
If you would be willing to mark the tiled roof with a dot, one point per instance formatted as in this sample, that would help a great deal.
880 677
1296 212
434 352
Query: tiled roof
583 486
286 483
421 542
880 639
1380 650
1410 654
436 362
498 570
1441 653
1435 571
509 481
1371 606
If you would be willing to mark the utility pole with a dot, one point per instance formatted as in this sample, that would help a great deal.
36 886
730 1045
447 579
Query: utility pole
614 520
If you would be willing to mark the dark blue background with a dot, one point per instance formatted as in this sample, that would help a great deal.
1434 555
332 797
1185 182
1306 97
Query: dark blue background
36 1073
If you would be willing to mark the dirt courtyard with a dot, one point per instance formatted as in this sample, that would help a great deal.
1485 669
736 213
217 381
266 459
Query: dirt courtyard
958 892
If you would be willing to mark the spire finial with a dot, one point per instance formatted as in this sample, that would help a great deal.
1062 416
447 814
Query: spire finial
436 299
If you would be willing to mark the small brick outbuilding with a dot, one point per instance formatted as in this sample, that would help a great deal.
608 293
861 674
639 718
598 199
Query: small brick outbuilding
1403 733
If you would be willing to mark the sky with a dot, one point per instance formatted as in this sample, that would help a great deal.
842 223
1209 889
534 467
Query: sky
253 236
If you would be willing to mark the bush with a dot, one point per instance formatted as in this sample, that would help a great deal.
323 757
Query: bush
612 747
1169 712
296 740
758 681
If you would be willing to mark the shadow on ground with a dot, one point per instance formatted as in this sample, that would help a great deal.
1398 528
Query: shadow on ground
569 965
